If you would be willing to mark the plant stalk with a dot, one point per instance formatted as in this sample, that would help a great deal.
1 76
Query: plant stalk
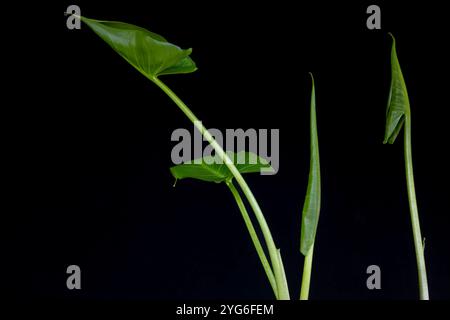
306 277
254 236
418 244
283 292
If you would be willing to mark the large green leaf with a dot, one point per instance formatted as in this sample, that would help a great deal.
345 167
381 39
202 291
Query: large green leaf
311 207
148 52
210 170
398 101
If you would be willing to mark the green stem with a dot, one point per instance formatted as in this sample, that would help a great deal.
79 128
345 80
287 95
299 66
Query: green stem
418 244
282 280
254 236
306 277
278 270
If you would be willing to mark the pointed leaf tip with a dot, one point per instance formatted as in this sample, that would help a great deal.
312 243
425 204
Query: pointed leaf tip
392 36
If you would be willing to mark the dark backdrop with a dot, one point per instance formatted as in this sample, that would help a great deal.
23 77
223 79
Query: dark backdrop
90 150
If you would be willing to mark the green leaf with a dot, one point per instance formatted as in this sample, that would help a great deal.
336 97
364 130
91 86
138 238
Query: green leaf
211 170
311 207
148 52
398 101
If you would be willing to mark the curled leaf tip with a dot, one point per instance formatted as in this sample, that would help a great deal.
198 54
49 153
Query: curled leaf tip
398 101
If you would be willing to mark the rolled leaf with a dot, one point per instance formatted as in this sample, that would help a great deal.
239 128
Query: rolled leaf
398 101
208 168
311 207
148 52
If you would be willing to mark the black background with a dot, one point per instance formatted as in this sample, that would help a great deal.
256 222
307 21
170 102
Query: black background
89 144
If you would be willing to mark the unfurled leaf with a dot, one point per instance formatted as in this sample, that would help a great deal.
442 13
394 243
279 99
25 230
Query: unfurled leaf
311 207
148 52
210 169
398 101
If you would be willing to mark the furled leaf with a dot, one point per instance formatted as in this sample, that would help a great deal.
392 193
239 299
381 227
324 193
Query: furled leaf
208 168
148 52
398 101
311 207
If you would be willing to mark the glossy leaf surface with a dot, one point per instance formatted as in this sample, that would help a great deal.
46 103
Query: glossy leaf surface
148 52
208 169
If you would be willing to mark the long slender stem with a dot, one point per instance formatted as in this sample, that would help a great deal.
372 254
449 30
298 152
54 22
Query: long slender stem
418 245
254 236
283 292
306 277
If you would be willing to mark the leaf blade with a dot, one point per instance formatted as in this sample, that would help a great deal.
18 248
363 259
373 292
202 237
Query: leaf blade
311 206
398 100
150 53
211 170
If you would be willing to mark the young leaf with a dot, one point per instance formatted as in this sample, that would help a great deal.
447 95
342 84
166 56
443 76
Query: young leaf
399 115
208 169
148 52
311 207
398 101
